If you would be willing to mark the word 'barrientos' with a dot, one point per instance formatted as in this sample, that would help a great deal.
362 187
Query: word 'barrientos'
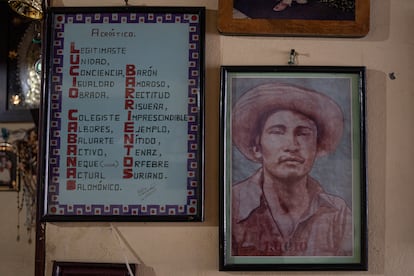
129 130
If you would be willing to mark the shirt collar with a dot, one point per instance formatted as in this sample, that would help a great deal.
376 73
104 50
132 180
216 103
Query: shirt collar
251 192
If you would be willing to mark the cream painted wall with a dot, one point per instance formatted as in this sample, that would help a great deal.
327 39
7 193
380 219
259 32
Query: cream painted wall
190 249
17 257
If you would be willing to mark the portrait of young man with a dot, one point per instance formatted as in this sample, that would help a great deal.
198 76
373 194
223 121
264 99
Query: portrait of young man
291 191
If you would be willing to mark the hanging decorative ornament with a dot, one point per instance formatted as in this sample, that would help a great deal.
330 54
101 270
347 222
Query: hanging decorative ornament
27 8
29 66
24 59
27 149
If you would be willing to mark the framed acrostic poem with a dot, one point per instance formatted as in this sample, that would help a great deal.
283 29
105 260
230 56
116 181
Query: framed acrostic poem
293 168
92 269
123 114
316 18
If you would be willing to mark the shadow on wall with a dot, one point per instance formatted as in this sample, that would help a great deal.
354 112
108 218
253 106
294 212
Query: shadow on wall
145 270
376 168
380 20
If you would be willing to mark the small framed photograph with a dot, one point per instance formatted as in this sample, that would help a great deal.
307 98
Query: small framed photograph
293 168
92 269
9 172
123 114
316 18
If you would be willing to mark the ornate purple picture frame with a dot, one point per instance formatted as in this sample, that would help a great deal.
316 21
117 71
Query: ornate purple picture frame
123 114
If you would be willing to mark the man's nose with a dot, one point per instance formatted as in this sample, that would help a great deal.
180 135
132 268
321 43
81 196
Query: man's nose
292 143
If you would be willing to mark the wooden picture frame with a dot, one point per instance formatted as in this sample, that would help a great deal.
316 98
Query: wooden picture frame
290 132
123 114
316 18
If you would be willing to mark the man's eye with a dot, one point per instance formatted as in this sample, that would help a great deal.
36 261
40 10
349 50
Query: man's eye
304 132
276 131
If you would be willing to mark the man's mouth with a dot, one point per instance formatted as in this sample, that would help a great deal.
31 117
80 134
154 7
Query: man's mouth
291 159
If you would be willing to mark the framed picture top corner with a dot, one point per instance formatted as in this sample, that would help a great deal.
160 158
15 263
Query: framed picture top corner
306 18
123 118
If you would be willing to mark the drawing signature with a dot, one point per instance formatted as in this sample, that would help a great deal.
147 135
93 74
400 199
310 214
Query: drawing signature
145 192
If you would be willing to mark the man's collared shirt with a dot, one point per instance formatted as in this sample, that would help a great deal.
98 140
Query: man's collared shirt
325 229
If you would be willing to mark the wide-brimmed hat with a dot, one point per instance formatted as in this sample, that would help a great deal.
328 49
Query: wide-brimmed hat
267 98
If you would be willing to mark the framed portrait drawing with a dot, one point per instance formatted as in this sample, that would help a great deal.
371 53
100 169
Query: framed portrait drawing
317 18
293 168
123 114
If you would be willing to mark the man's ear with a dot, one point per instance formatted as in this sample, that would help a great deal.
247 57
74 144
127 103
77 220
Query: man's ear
257 152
